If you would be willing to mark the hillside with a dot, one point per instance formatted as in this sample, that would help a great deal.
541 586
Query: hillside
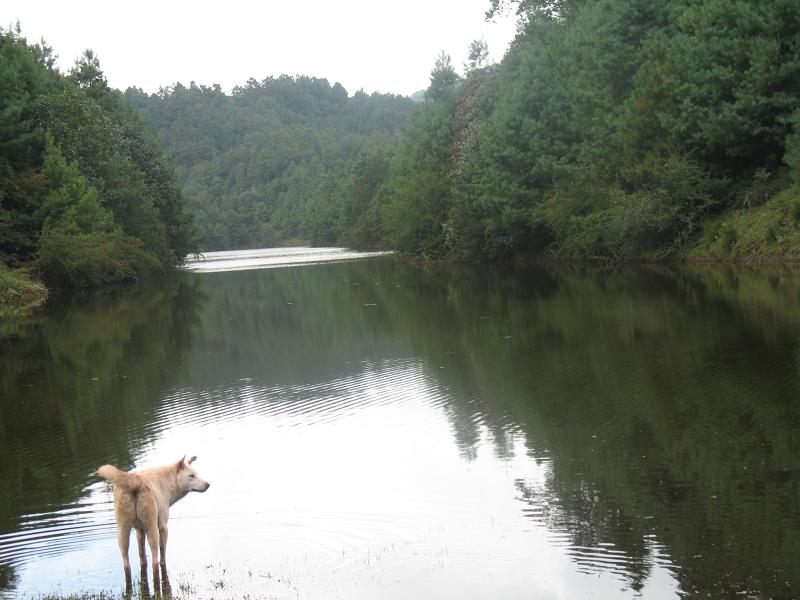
283 159
611 129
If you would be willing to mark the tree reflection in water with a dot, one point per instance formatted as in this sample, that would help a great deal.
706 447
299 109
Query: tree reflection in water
663 402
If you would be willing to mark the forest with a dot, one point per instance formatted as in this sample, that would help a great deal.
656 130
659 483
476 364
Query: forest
87 197
279 160
611 129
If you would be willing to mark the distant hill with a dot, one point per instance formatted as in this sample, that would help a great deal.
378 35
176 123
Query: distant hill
277 160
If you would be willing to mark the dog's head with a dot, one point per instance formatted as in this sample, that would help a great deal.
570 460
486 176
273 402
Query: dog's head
188 480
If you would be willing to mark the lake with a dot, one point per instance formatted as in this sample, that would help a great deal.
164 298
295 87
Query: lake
375 429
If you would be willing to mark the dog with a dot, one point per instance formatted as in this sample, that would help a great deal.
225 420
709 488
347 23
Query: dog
141 502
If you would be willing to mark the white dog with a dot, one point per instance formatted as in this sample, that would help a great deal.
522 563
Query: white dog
141 502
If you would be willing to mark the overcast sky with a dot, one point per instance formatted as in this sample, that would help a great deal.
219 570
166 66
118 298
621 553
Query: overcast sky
373 45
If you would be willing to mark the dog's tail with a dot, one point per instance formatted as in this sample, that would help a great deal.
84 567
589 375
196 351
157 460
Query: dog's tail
130 482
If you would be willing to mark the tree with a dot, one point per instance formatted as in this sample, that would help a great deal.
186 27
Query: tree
88 76
443 79
477 57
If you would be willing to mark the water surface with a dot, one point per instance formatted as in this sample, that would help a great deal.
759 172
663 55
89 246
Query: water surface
270 258
378 430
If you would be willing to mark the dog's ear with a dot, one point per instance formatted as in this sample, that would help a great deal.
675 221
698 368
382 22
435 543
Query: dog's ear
191 460
180 464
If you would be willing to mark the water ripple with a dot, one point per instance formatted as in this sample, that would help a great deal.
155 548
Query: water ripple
376 385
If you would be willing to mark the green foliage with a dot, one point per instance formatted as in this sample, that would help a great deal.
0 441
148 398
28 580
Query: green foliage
794 209
763 186
732 81
478 56
418 185
25 73
71 258
612 128
80 244
727 236
653 210
792 154
78 166
71 198
276 160
366 191
443 79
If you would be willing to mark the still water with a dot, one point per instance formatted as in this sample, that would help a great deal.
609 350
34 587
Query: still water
374 429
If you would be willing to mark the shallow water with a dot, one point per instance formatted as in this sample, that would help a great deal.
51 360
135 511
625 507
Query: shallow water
378 430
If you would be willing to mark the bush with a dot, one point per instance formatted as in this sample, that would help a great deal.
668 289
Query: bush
70 259
653 210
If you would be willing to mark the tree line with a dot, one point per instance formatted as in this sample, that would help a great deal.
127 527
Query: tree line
611 128
281 160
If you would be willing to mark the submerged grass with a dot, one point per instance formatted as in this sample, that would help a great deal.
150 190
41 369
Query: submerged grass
83 596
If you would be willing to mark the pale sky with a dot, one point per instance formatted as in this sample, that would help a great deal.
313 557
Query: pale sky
370 44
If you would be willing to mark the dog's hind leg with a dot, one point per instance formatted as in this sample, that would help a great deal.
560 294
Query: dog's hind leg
124 540
140 538
152 539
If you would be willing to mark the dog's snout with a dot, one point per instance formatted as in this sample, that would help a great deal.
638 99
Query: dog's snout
208 485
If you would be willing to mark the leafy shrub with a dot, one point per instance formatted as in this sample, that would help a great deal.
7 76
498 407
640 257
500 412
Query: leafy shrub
653 210
75 259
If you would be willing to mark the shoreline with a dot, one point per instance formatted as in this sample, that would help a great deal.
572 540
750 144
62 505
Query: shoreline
21 293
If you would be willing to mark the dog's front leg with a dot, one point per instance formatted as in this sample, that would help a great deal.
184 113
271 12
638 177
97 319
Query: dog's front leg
166 587
162 536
